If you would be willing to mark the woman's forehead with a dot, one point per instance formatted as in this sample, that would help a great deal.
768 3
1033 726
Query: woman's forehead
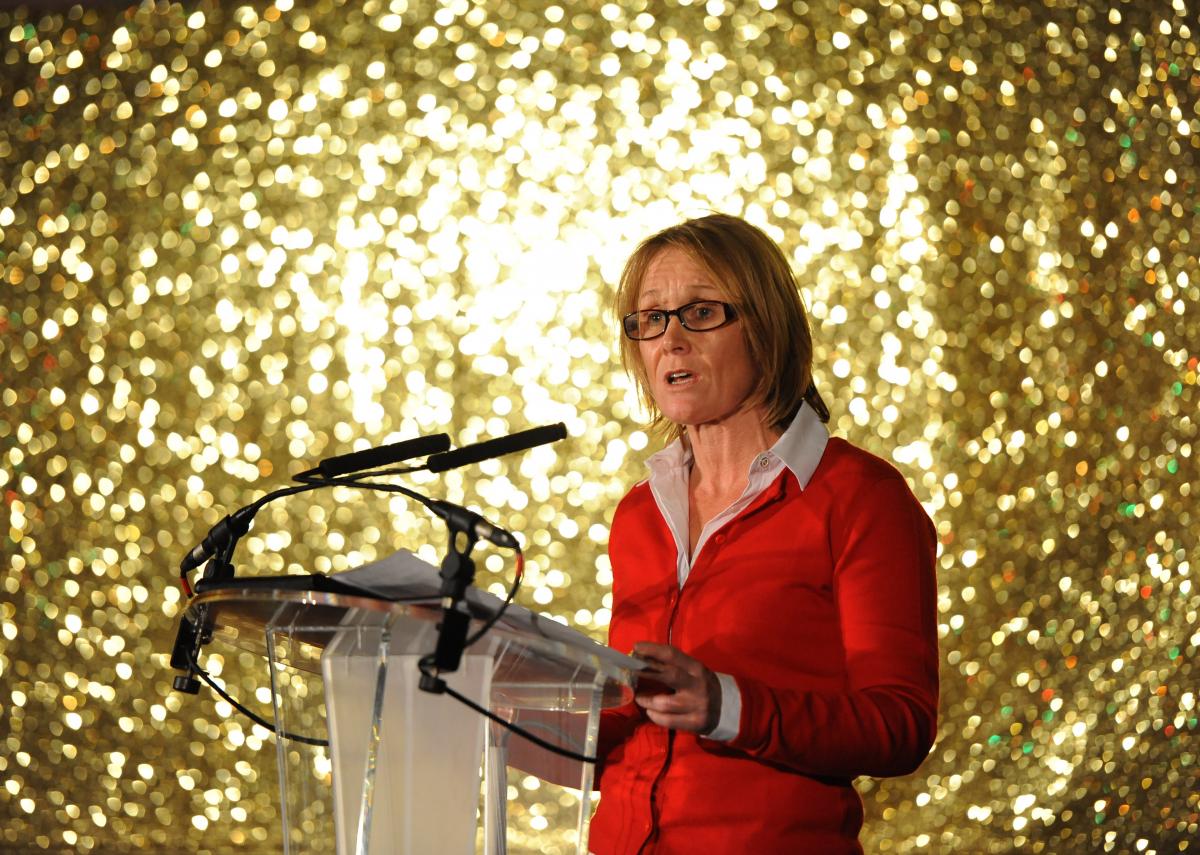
674 269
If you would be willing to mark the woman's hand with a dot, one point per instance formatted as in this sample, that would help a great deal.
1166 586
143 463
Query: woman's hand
677 691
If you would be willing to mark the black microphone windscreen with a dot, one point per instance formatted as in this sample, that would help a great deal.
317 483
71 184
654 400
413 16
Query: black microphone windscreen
520 441
384 455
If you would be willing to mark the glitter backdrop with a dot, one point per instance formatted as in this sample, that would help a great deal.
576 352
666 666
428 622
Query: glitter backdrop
234 240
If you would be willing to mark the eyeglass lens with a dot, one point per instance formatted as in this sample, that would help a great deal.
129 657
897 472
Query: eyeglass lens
699 316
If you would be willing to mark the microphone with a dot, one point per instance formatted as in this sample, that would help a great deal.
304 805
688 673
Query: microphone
459 518
384 455
486 450
232 527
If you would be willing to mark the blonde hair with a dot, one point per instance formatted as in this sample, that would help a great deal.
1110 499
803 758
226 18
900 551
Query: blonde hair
754 275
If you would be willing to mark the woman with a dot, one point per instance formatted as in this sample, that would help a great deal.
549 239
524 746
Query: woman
779 583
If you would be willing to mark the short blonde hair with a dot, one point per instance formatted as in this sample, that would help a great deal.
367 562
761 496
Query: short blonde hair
753 274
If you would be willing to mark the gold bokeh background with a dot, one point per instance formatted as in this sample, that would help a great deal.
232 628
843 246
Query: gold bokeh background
236 239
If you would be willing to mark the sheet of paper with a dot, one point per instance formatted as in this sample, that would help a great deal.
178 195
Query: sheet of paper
402 575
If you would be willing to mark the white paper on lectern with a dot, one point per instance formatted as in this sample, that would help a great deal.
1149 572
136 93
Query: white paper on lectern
403 575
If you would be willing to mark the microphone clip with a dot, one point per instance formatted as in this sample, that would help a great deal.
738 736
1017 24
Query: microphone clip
457 573
194 634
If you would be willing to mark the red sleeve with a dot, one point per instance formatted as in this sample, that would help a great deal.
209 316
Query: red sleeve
639 600
884 720
617 723
615 727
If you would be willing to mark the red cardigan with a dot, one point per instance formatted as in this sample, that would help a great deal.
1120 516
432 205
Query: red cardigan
821 604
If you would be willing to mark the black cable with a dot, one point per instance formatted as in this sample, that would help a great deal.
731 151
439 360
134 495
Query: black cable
424 664
253 716
518 575
314 478
313 483
463 699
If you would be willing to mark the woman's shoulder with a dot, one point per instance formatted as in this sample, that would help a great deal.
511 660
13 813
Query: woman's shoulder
636 512
844 465
857 487
638 494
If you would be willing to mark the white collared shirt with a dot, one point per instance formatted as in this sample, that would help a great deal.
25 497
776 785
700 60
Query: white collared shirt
798 449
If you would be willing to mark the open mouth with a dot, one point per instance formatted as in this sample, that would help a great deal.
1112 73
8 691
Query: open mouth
678 377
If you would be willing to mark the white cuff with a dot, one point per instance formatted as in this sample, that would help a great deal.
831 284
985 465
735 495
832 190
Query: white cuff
731 711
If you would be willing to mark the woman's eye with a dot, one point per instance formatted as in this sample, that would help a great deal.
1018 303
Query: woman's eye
653 317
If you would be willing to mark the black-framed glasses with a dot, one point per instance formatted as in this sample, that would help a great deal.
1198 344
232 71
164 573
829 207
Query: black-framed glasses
700 316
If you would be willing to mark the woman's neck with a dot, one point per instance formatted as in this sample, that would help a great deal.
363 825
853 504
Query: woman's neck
722 452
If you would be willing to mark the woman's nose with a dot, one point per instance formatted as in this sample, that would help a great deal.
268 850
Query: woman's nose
675 336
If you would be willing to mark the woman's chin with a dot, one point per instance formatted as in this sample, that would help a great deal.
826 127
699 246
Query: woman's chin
686 417
697 420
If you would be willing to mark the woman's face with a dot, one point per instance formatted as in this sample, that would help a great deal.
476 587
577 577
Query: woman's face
696 378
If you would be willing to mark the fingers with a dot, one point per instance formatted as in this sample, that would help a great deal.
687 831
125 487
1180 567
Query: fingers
664 678
667 664
664 654
684 710
680 711
691 722
653 651
675 690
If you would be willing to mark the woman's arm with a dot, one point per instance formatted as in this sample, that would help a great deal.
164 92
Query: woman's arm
884 721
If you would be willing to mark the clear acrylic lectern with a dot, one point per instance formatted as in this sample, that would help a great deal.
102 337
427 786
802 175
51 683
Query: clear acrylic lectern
368 763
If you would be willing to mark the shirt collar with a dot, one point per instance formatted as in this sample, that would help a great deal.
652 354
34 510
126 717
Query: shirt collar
799 448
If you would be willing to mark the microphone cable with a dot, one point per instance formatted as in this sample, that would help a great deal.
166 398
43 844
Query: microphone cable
253 716
425 665
234 526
